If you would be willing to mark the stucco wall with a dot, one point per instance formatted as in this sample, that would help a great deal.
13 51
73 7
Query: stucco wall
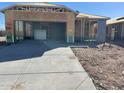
101 32
122 33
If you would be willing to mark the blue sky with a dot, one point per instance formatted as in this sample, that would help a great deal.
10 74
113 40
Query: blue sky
105 9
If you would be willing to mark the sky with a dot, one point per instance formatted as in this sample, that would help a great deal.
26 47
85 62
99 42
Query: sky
111 10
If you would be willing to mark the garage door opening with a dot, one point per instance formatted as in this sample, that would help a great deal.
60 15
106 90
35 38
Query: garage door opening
49 30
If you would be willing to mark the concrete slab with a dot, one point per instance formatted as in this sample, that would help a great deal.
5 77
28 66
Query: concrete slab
87 85
59 51
13 67
7 81
52 81
57 68
54 63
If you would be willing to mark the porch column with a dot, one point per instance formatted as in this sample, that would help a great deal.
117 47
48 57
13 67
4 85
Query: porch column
70 27
101 32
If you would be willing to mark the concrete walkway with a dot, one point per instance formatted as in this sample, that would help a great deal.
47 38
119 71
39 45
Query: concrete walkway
55 69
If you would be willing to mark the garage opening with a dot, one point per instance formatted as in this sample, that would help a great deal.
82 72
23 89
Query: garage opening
49 30
40 30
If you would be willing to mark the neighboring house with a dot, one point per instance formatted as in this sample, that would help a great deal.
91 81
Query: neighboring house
51 21
115 29
2 33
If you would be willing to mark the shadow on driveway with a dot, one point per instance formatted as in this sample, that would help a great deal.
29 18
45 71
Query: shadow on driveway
23 50
35 48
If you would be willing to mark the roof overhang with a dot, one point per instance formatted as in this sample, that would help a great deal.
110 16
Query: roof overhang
109 22
38 5
90 16
115 20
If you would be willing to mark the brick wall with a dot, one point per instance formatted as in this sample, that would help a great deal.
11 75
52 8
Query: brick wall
67 17
37 16
70 27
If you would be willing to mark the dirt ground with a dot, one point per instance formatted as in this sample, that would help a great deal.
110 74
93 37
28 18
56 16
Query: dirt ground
105 67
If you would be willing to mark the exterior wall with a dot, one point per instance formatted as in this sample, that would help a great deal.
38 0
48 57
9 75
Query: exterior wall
118 30
78 31
28 33
37 16
122 33
101 32
86 29
108 32
93 30
67 17
70 27
118 33
82 28
9 26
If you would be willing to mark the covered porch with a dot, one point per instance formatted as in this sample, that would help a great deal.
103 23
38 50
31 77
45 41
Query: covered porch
86 30
90 28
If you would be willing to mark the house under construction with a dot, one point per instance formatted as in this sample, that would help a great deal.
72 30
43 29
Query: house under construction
44 21
115 29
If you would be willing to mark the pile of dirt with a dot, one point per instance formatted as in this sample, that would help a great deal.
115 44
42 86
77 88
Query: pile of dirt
105 67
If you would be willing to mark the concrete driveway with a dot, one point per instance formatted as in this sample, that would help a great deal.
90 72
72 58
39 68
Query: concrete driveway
22 50
56 68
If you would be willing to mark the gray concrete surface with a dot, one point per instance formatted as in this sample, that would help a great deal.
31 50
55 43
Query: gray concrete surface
22 50
57 68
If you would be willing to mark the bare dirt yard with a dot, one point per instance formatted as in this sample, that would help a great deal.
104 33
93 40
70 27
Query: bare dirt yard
105 67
